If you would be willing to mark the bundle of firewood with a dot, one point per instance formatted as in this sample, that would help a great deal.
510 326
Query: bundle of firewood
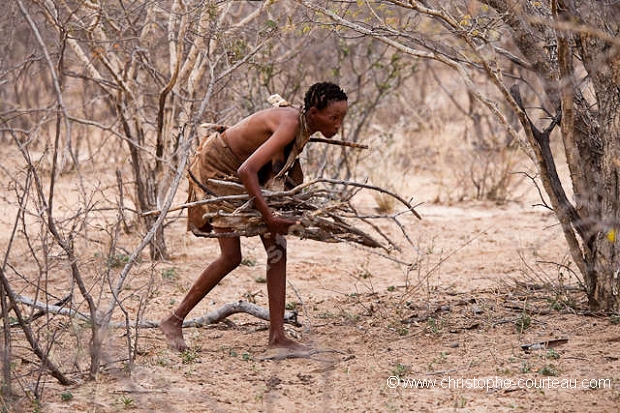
321 207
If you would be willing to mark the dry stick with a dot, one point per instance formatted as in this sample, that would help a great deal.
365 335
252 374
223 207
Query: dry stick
320 210
121 203
36 348
582 285
221 128
107 315
241 197
6 300
56 82
215 316
337 222
324 225
303 306
393 217
282 354
340 142
26 328
51 308
65 244
121 306
226 310
298 188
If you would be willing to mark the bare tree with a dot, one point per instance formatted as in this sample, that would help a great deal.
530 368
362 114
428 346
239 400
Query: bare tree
568 57
157 65
152 84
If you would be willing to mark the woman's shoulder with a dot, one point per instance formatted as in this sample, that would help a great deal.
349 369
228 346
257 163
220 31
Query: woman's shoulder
278 117
285 112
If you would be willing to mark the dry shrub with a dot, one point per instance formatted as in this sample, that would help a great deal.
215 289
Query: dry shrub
469 155
489 171
385 203
382 168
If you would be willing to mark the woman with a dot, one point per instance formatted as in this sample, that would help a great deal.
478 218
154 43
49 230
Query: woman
252 149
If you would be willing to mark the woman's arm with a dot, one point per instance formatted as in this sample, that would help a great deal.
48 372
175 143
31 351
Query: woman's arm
271 149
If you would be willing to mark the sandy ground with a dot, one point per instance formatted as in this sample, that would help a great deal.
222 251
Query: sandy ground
443 334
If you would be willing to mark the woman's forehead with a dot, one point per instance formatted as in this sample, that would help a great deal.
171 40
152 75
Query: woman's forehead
336 107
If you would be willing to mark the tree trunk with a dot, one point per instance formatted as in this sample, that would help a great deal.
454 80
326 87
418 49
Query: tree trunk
590 129
146 196
603 279
600 148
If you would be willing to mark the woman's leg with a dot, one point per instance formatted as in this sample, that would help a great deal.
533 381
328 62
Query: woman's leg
229 259
276 291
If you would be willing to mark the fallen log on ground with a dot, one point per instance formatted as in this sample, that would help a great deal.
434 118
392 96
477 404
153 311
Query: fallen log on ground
213 317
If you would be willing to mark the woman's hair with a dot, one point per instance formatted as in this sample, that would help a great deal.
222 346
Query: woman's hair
322 94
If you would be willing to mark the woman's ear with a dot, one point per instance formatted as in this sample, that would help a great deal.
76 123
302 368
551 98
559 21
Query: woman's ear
312 111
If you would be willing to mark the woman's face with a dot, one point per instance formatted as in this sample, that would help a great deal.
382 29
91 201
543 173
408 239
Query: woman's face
329 119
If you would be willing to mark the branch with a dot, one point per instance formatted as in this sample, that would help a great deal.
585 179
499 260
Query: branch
371 187
453 64
227 310
184 149
30 336
567 90
55 81
549 170
52 309
296 190
339 142
213 317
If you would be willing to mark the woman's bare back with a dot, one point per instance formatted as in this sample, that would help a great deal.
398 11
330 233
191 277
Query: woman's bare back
249 134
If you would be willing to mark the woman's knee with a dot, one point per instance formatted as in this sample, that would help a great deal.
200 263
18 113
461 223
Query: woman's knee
230 253
231 259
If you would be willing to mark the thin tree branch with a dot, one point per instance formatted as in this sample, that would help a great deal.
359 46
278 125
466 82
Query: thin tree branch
213 317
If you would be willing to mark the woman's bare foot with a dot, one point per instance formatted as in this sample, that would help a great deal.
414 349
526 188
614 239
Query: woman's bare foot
172 327
288 344
285 348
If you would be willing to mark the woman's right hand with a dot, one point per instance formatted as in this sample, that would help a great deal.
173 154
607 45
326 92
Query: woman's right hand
278 225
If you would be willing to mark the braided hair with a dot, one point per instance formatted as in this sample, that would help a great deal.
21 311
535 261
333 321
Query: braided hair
321 94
